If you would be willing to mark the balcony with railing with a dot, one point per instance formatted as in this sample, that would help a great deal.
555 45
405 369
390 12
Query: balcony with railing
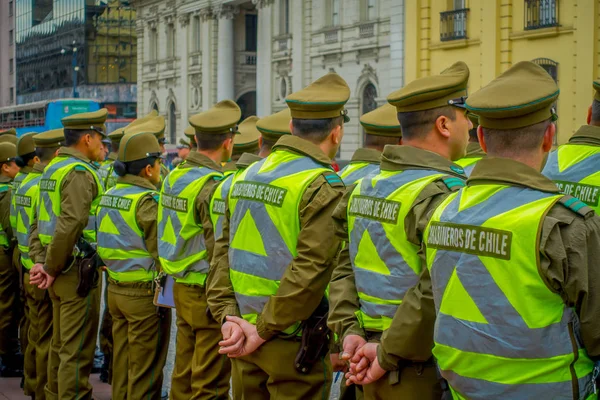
453 24
541 14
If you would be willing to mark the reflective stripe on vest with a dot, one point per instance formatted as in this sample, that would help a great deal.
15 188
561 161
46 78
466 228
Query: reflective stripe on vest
13 210
181 246
26 200
50 197
4 187
108 175
357 170
266 195
500 332
575 168
121 242
385 263
468 163
217 205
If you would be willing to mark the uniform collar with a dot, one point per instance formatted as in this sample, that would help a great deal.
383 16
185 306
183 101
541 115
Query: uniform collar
371 156
5 179
200 160
509 172
586 134
26 169
246 159
399 157
112 156
474 150
73 152
304 147
137 181
38 167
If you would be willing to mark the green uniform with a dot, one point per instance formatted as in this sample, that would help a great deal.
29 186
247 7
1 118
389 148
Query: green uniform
474 154
199 372
351 295
270 370
364 161
574 166
70 182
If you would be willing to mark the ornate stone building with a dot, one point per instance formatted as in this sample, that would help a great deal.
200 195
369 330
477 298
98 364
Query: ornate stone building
193 53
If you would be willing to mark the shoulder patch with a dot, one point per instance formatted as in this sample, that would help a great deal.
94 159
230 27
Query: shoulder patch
575 205
453 183
156 196
333 179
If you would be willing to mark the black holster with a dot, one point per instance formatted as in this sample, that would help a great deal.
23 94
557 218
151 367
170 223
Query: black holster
315 339
87 268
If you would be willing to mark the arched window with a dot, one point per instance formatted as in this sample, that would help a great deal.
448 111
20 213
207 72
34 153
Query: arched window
172 124
154 106
551 68
368 102
247 103
284 17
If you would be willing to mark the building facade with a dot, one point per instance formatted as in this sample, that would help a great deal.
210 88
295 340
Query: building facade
193 53
7 50
560 35
77 48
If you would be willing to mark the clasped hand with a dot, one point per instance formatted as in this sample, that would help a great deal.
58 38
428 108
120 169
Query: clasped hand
364 366
240 338
39 277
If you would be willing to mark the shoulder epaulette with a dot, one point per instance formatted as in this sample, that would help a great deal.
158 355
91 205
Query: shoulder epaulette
4 188
453 183
333 179
156 196
80 168
575 205
219 177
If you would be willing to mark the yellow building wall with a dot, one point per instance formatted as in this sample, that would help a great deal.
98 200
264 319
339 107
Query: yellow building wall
497 39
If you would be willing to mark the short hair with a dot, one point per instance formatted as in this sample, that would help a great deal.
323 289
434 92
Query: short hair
473 135
45 153
417 124
23 161
114 146
73 136
267 144
6 162
513 142
380 141
596 111
210 141
133 167
315 130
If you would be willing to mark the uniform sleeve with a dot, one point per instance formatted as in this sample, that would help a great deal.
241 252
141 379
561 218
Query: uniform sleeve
219 290
410 336
5 214
146 216
303 284
37 252
202 206
569 254
77 193
343 298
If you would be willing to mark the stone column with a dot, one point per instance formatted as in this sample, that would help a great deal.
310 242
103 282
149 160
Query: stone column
206 17
184 21
226 52
141 54
264 57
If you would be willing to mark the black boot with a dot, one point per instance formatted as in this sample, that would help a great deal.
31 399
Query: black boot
104 369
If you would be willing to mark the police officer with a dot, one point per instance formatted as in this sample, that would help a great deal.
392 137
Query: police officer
190 133
515 303
381 128
245 142
11 359
474 152
185 245
574 166
70 182
127 243
39 305
386 215
9 136
279 273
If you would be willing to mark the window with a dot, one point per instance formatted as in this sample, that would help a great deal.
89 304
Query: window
369 11
10 8
42 10
11 37
541 14
171 42
172 124
196 34
153 44
335 12
11 68
453 23
251 32
368 101
284 11
12 95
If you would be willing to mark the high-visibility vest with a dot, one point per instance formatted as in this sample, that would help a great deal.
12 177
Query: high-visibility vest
264 201
384 262
217 205
26 201
500 332
354 171
468 163
107 174
49 207
575 168
13 210
121 242
4 187
181 247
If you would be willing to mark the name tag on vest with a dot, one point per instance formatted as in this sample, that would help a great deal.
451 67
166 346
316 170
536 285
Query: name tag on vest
23 201
374 208
48 185
175 203
470 239
586 193
261 192
219 207
116 202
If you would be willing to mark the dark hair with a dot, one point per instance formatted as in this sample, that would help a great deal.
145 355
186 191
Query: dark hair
73 136
473 135
209 141
6 162
512 142
23 160
596 112
379 142
417 124
315 130
114 146
267 144
133 167
45 153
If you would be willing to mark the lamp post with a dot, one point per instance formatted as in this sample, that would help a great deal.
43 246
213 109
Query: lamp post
74 66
